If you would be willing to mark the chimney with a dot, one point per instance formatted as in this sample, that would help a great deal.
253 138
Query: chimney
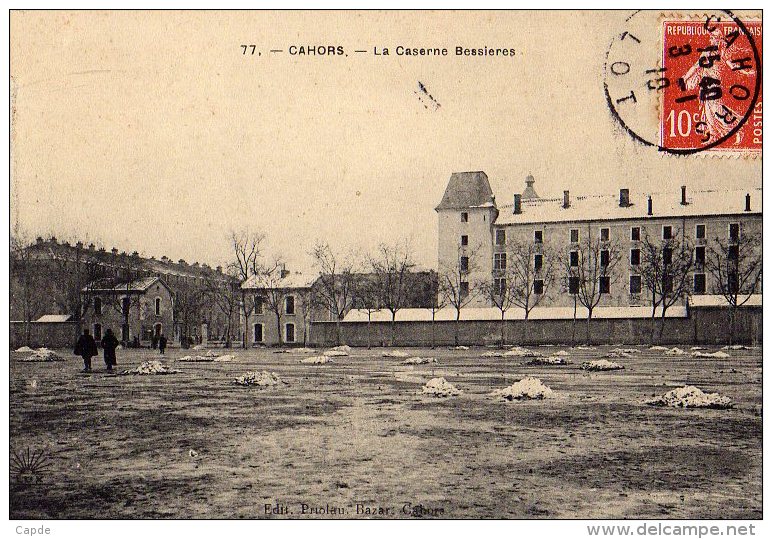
39 240
219 269
518 206
624 198
683 195
91 247
79 245
114 251
747 202
284 272
566 199
650 210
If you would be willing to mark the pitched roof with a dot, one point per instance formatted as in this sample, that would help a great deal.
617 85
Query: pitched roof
292 280
606 207
138 285
466 190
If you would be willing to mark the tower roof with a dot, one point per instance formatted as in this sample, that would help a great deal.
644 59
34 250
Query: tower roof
529 192
467 190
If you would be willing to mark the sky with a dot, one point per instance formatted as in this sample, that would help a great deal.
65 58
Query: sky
152 131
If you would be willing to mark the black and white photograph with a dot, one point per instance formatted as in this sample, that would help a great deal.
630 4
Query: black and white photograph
393 265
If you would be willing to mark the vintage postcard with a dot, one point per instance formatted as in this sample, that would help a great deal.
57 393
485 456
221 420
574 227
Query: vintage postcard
386 264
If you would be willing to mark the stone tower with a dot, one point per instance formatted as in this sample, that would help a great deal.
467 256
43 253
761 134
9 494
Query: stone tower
466 215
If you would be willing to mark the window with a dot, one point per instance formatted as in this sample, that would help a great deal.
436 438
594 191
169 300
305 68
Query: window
97 332
699 283
538 286
574 259
604 258
464 289
733 253
289 305
258 305
500 261
501 237
464 240
635 257
574 235
499 286
734 231
573 285
667 256
158 306
289 332
605 285
667 232
699 255
465 263
605 233
257 333
97 305
635 233
635 284
538 236
699 232
125 304
538 261
733 283
464 217
667 283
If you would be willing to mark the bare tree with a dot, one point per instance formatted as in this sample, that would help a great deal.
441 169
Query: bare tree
366 299
455 284
522 278
336 284
590 272
73 270
438 301
224 292
665 269
270 282
28 277
736 267
247 263
391 267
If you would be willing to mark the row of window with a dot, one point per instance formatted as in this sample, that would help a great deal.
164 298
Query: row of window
605 234
125 305
289 305
289 332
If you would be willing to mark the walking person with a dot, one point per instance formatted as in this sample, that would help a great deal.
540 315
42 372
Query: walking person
109 344
86 348
162 343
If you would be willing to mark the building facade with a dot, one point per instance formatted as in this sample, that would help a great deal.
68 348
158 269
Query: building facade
136 311
560 235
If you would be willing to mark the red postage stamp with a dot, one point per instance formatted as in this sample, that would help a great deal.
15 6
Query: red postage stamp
711 86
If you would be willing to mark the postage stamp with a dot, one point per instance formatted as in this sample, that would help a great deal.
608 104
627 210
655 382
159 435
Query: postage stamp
688 83
716 75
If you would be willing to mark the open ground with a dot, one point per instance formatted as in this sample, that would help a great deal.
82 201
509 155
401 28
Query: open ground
359 431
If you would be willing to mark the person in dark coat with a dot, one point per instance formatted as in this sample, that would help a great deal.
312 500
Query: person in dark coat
109 344
162 343
86 348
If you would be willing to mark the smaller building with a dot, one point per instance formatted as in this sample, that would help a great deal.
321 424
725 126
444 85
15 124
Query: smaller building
278 308
136 311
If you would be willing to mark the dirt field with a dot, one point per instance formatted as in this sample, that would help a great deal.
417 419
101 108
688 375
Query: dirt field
359 431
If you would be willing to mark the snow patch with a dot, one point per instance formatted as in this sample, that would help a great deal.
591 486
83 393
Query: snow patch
716 355
316 360
196 359
552 360
42 355
691 397
517 351
395 353
259 379
227 357
675 351
342 348
335 353
601 365
439 387
419 360
25 349
527 388
151 367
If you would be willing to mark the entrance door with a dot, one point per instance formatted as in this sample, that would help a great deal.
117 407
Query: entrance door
125 332
158 329
258 333
290 332
97 332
